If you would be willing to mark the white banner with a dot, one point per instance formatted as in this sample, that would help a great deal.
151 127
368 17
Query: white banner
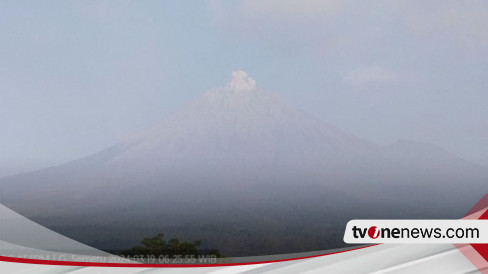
416 231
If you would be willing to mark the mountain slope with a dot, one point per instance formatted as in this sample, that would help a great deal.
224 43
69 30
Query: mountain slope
239 124
241 161
235 135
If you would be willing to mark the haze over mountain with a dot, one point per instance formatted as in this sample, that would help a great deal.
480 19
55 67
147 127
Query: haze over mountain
243 169
235 125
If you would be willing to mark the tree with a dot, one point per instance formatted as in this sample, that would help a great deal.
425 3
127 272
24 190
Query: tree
157 246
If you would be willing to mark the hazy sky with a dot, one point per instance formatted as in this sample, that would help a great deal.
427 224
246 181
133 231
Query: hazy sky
78 76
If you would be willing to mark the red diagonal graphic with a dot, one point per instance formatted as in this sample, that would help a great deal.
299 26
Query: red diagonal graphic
477 253
482 249
482 204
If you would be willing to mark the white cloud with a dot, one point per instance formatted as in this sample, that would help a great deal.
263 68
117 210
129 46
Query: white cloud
241 82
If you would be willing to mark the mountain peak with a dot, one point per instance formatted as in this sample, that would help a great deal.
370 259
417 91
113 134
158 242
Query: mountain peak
240 82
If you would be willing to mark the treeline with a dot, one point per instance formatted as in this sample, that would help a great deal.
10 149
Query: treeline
157 246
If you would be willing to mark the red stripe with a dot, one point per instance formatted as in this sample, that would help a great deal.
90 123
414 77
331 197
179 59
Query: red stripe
481 204
482 249
94 264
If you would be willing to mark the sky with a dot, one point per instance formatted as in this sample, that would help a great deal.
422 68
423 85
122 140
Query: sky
79 76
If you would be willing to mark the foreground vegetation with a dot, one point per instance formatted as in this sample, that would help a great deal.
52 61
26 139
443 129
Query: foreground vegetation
157 246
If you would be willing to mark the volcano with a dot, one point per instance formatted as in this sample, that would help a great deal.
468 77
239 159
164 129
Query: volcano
241 168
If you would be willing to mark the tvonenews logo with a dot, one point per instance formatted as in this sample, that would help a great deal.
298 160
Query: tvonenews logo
416 231
374 232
